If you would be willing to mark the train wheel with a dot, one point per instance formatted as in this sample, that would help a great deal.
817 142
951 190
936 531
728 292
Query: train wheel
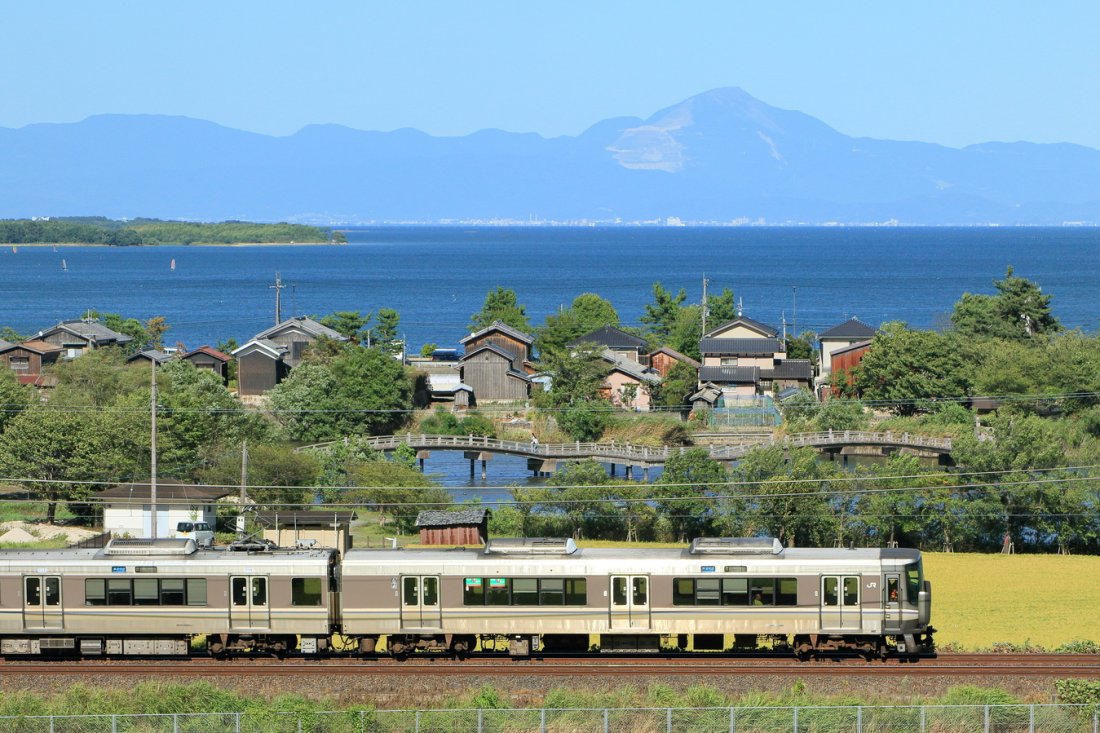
399 650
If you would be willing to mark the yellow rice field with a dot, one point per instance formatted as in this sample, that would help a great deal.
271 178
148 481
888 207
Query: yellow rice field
1047 600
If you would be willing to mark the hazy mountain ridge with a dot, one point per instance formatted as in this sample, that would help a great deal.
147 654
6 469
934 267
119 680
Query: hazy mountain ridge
718 157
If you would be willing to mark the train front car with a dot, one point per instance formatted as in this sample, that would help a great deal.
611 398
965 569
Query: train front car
153 597
548 596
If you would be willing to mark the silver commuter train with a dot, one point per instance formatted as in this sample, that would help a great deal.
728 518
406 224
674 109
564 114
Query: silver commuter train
144 597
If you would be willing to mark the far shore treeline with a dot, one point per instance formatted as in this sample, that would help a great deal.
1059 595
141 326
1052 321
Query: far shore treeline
133 232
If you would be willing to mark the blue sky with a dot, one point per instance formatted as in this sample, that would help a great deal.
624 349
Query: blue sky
948 72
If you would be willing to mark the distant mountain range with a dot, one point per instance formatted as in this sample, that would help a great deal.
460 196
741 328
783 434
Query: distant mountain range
718 157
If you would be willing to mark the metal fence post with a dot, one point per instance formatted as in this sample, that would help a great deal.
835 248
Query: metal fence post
417 721
859 719
606 720
922 721
668 720
363 721
1096 721
175 723
542 720
51 725
480 720
733 719
794 719
986 727
1031 720
237 729
114 724
299 723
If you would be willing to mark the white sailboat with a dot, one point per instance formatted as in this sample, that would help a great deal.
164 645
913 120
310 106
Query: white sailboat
172 265
64 266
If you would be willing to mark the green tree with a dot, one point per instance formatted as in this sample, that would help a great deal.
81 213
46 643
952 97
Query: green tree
305 404
905 368
352 324
501 305
278 475
785 494
587 313
661 315
685 489
396 491
1017 312
576 376
384 334
674 389
14 397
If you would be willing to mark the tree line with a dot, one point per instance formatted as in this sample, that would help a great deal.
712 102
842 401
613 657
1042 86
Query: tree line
97 230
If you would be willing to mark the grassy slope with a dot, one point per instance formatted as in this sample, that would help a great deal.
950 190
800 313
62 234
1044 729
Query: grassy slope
1047 600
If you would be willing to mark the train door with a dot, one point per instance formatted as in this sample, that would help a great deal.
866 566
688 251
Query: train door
249 607
629 602
840 610
420 607
891 604
42 607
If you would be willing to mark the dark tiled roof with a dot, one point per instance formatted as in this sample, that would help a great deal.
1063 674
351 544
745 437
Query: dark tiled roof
789 369
151 354
503 328
610 337
305 518
169 491
92 331
306 324
729 374
853 328
740 347
450 519
749 322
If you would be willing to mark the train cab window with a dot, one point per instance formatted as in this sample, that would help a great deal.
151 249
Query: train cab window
119 592
708 592
913 581
892 590
95 592
196 591
576 592
171 592
473 592
33 596
552 592
851 591
525 592
146 592
763 592
498 593
735 591
305 591
259 591
641 591
618 591
240 591
786 592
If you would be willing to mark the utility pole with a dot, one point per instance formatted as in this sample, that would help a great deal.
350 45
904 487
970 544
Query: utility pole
794 311
153 447
704 303
244 483
278 287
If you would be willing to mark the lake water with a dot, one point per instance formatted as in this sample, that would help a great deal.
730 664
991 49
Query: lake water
436 277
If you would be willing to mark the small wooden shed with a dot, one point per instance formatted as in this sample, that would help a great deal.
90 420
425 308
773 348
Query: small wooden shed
327 529
466 527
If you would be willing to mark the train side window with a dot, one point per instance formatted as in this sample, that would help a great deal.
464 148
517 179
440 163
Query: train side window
473 592
831 591
240 591
53 591
196 591
33 596
525 592
683 592
641 591
259 591
576 592
431 592
305 591
786 592
95 592
119 592
851 591
618 590
146 592
552 592
171 592
735 591
498 593
708 592
412 591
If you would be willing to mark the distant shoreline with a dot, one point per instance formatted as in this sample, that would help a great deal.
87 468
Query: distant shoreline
175 244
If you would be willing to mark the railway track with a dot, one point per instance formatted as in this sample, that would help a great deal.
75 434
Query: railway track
945 665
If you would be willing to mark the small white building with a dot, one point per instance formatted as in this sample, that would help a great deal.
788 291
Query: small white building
127 508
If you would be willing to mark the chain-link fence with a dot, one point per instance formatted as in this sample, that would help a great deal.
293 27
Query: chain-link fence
815 719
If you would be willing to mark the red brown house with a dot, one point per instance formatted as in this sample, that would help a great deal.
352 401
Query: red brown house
207 357
27 359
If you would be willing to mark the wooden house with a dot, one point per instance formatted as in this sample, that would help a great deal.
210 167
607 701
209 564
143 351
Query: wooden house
27 359
616 340
145 356
466 527
663 359
296 334
506 338
497 363
206 357
77 337
841 336
260 366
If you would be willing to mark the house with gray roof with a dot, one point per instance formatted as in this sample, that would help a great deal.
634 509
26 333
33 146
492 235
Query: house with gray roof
78 337
841 336
148 355
613 339
497 363
296 334
261 364
628 383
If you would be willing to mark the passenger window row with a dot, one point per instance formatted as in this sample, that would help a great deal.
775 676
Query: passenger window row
735 592
145 592
525 592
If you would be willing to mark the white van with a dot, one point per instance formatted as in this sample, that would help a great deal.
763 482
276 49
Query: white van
201 532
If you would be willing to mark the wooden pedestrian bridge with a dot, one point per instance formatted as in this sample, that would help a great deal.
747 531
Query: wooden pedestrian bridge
544 457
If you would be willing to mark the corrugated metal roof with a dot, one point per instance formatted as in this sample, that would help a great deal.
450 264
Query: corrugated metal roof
629 367
503 328
740 347
447 519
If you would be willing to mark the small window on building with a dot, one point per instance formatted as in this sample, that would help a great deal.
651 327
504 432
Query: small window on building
19 363
305 591
763 591
708 592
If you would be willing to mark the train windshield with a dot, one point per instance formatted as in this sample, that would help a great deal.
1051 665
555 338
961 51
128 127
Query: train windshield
914 574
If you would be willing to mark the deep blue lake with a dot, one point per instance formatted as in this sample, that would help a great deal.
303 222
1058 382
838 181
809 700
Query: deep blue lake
435 277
